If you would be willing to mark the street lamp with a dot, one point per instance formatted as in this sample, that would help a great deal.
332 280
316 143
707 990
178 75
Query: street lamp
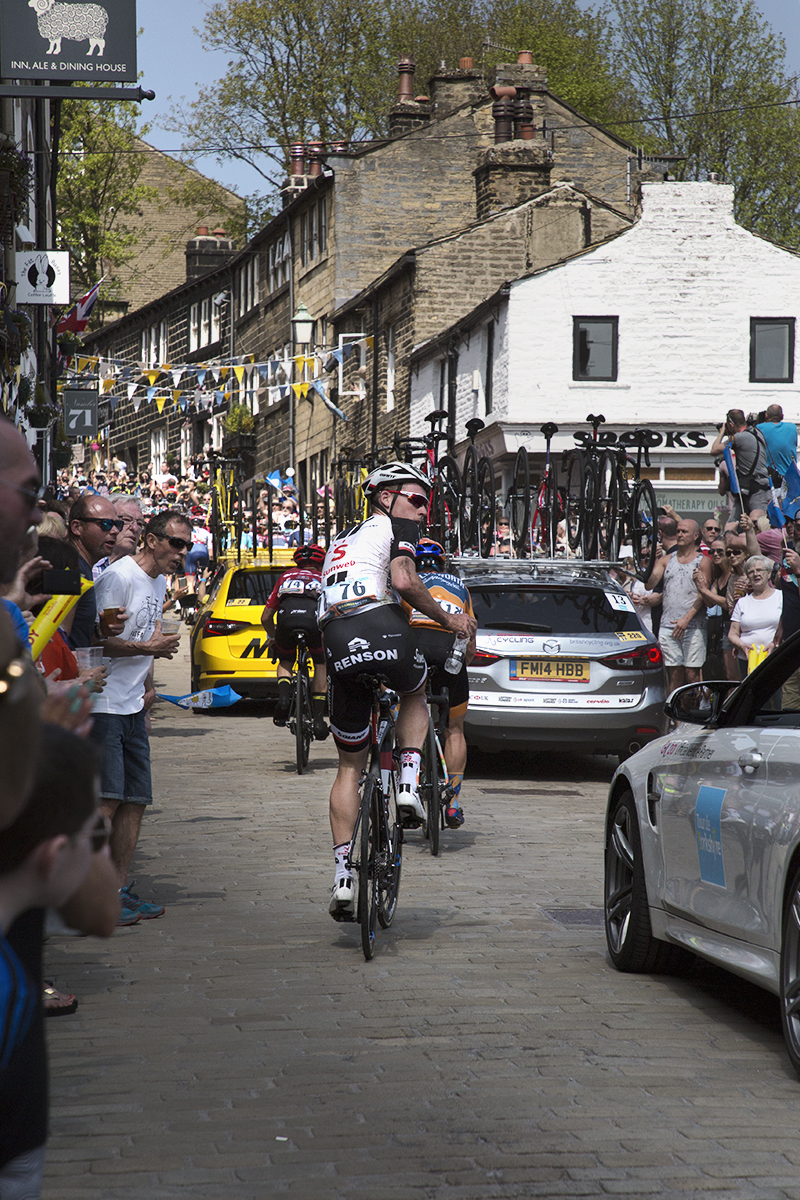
302 326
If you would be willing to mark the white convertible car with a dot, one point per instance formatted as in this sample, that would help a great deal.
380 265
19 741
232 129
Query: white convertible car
703 838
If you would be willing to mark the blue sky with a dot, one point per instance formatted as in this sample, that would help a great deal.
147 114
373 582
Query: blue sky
174 64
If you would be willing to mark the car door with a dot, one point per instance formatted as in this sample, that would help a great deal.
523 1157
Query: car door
723 800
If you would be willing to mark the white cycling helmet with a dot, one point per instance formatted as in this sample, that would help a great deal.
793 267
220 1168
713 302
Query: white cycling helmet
391 476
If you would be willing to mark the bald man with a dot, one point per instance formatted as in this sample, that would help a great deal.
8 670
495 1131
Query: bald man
683 615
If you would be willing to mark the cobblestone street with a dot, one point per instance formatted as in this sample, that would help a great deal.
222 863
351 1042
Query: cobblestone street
240 1047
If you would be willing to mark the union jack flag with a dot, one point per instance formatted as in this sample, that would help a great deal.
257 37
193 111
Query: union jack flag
77 318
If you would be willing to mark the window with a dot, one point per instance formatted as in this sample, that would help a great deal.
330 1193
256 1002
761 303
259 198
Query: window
158 447
214 330
442 383
322 231
594 347
278 261
488 386
205 322
390 368
771 349
194 327
187 446
360 387
303 239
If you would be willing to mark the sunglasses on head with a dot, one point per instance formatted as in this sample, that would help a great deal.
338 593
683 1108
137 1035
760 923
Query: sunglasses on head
176 542
105 523
413 498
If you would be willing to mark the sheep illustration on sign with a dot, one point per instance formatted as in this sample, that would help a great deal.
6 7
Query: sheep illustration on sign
76 22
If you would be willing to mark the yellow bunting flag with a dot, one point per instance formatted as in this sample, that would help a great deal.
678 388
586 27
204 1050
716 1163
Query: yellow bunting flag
152 376
239 373
224 372
107 385
176 395
369 342
160 402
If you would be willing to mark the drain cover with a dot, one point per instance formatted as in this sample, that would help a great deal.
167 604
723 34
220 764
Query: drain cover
576 916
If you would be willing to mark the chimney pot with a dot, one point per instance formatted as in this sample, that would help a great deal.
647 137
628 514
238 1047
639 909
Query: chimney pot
218 233
405 89
315 153
501 91
466 64
339 147
202 231
525 56
422 99
298 158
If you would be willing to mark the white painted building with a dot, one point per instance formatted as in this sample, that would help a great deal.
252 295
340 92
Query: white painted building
666 325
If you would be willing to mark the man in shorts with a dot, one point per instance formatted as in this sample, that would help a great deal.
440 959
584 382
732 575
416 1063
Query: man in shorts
369 567
292 609
435 643
682 633
135 586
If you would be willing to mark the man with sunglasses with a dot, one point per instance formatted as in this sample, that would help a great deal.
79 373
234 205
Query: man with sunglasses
135 585
367 570
92 529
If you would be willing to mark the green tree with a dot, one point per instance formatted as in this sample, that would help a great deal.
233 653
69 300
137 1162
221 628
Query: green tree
307 69
712 80
98 190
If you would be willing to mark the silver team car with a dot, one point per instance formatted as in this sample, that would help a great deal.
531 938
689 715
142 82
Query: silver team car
563 661
703 838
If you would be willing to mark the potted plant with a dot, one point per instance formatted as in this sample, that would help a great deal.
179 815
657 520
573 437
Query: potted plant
39 412
61 450
240 426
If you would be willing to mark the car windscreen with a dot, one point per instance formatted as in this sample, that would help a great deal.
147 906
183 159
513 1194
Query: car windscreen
254 586
552 610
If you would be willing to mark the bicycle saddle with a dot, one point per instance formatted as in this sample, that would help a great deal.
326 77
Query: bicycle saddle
595 421
439 414
473 427
549 430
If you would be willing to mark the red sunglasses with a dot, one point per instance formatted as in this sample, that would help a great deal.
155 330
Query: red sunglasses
413 498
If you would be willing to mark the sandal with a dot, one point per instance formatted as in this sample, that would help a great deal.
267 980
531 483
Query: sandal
57 1004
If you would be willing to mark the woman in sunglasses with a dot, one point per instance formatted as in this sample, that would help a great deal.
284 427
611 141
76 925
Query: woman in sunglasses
719 649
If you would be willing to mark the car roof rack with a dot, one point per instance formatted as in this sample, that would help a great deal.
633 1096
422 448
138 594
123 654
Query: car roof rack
569 569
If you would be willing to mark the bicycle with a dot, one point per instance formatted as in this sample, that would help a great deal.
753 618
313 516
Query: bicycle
445 480
590 494
434 787
637 505
476 513
547 512
301 714
376 847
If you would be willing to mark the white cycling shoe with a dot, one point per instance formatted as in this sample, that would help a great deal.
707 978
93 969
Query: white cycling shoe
409 803
343 899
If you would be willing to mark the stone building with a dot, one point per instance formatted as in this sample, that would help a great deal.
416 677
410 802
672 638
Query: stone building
349 214
665 325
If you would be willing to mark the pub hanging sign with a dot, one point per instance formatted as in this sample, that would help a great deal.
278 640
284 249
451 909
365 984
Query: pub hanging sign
50 39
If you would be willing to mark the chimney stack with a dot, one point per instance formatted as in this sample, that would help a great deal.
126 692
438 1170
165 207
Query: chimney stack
207 252
409 112
453 89
509 174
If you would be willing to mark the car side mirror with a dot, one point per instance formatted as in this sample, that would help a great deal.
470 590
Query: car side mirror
698 703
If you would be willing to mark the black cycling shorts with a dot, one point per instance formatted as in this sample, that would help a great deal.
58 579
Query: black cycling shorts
297 614
376 642
435 645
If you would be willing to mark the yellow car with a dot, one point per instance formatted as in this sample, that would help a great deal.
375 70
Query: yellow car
228 643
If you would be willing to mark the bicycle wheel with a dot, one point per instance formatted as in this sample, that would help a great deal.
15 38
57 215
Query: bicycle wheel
607 505
520 504
468 512
450 482
552 511
303 721
431 788
486 506
367 865
590 487
574 488
390 859
643 530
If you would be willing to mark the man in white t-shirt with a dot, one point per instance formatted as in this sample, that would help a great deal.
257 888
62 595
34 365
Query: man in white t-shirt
135 585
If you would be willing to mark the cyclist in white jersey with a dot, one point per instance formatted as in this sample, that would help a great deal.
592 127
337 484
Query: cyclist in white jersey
367 570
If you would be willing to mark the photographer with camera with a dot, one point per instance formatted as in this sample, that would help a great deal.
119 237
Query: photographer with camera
751 461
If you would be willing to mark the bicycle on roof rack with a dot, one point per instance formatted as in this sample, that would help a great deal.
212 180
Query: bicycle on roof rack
444 478
590 495
540 527
635 505
476 512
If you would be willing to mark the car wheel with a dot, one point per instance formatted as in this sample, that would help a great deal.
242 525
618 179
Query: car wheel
629 935
790 972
